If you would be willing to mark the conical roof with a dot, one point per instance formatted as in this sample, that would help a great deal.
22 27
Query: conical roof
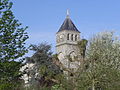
68 25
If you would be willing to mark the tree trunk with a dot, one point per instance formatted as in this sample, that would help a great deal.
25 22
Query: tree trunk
93 84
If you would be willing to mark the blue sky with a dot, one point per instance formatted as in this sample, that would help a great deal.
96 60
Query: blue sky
44 17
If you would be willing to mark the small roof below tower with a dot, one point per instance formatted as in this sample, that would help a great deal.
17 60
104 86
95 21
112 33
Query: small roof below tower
68 24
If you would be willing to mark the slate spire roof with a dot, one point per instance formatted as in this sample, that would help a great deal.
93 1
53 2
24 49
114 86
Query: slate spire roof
68 24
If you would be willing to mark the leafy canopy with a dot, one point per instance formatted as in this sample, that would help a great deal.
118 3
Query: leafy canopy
12 46
12 35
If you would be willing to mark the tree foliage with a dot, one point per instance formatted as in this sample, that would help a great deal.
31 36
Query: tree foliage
103 61
82 47
12 35
12 41
44 70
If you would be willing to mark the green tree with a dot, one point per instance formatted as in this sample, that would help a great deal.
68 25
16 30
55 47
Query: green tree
12 41
44 70
103 64
82 44
12 35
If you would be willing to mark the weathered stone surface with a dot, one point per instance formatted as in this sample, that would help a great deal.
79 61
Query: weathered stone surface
66 44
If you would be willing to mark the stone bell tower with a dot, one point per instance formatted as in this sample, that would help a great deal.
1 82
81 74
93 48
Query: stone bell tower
66 43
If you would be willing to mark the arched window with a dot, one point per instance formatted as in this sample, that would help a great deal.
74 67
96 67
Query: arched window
75 37
67 36
72 55
72 37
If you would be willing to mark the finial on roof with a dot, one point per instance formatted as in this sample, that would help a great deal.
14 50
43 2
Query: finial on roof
68 13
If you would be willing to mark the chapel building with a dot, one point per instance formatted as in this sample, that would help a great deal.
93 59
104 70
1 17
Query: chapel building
67 39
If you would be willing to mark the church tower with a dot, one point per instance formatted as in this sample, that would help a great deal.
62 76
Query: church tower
67 38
